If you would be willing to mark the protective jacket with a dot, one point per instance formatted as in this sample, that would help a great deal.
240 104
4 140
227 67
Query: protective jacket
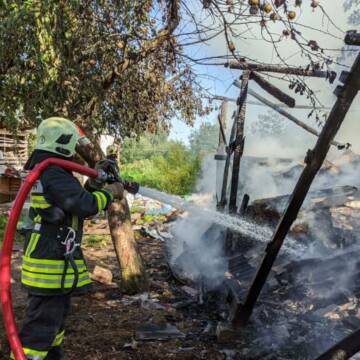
59 205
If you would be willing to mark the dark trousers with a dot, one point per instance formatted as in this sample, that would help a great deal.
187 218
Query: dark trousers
44 323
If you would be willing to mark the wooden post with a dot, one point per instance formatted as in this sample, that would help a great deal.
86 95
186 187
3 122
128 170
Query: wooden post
313 160
331 75
221 205
239 141
220 156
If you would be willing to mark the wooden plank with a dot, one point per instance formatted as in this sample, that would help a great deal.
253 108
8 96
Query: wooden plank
281 70
239 141
249 102
314 159
10 145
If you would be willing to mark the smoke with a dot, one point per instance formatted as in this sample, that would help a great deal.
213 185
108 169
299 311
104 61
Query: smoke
266 171
198 248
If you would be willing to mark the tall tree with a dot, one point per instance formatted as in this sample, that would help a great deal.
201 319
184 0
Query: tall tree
105 64
203 141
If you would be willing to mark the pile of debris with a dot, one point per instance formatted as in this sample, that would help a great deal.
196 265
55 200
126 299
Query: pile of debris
315 283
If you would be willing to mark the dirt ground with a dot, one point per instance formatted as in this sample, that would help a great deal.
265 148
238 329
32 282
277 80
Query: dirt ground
102 325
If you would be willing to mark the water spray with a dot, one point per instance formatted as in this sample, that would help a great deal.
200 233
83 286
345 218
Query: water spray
237 224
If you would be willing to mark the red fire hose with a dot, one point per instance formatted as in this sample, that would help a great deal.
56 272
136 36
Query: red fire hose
5 265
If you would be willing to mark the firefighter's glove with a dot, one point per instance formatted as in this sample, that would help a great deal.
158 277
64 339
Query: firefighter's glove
94 184
105 165
131 186
116 189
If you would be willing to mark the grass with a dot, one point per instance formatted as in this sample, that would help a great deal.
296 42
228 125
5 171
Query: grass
95 241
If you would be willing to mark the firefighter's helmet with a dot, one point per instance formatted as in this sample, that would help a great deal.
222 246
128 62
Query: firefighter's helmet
59 135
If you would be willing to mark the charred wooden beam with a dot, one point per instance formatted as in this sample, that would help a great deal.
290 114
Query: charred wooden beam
244 204
292 118
273 90
249 102
352 38
331 75
239 141
313 160
234 293
343 350
222 203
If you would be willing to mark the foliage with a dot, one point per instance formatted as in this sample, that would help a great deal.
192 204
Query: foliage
144 147
3 222
204 140
149 219
106 64
174 172
269 124
31 141
353 7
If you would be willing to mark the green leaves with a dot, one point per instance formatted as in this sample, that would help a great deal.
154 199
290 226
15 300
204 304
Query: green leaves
92 61
174 171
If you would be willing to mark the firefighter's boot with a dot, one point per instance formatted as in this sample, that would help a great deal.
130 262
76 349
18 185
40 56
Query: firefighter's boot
56 353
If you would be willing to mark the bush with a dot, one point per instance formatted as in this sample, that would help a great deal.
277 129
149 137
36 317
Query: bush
3 222
174 173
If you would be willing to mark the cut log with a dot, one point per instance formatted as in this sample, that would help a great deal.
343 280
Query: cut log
102 275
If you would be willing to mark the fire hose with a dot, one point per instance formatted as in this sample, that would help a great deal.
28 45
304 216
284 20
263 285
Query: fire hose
5 261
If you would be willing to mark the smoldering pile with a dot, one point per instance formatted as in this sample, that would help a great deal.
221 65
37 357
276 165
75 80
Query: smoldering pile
315 283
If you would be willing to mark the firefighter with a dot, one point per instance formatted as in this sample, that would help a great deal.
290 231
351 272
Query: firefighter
53 267
112 152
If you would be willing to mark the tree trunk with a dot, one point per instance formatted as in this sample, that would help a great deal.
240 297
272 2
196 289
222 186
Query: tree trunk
133 274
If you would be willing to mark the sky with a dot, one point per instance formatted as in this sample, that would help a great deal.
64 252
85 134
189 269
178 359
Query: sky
218 80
